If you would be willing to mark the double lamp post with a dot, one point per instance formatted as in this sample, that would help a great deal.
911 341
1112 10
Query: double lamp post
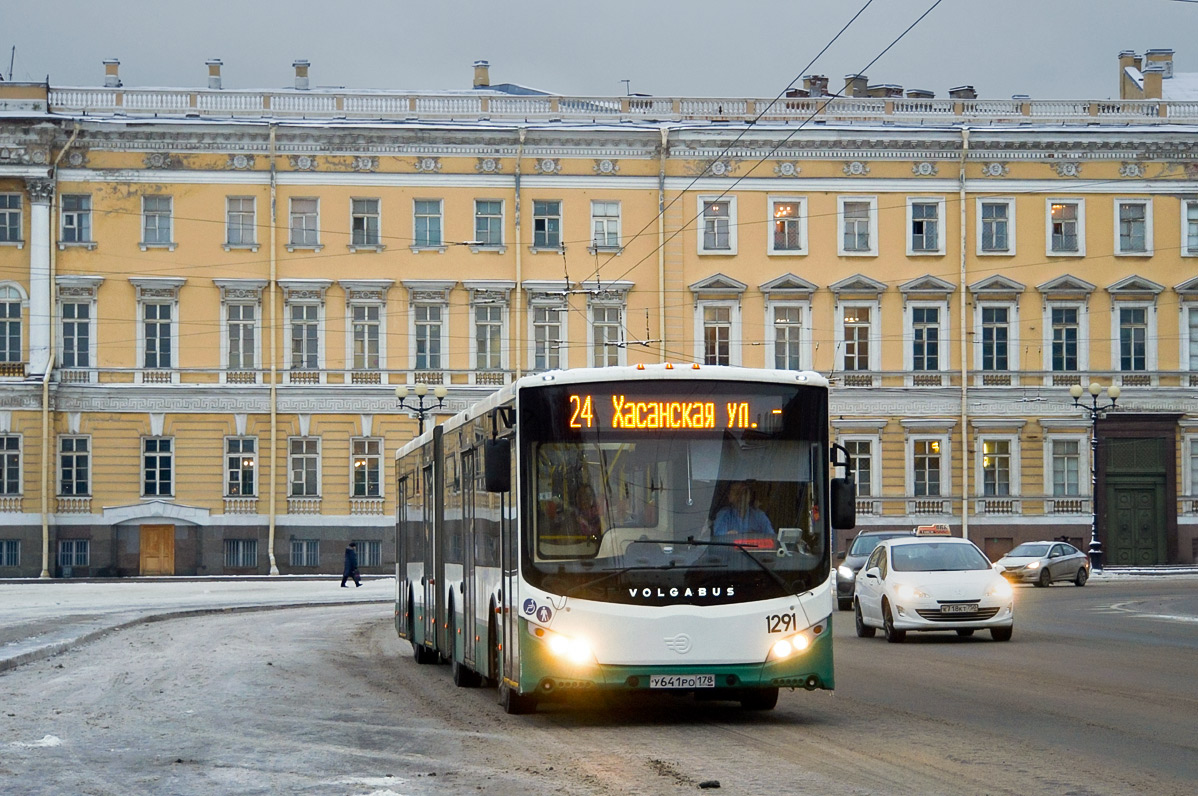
423 403
1096 411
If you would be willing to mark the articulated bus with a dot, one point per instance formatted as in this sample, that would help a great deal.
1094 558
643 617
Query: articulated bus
626 529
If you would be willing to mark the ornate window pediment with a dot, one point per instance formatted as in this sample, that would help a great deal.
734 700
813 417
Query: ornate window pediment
366 290
718 283
240 289
304 289
1135 287
489 291
428 291
789 286
926 285
997 285
857 284
1188 290
1066 285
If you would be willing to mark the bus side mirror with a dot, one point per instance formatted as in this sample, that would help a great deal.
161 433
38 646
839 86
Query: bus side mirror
497 465
844 503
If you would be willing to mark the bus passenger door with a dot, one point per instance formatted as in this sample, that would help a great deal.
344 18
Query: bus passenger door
427 580
469 591
510 546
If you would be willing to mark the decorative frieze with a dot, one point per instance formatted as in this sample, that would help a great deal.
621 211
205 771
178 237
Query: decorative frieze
428 165
1132 170
365 163
856 168
489 166
1068 168
161 160
925 168
547 166
240 162
302 162
995 169
787 168
606 166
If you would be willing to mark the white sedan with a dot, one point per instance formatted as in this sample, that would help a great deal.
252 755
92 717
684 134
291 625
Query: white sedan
931 583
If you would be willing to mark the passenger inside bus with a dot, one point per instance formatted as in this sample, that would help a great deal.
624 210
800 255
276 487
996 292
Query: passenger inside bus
585 514
741 518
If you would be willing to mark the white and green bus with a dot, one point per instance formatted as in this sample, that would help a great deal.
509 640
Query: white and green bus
626 529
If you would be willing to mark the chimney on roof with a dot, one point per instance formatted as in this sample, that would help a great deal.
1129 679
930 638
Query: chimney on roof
1162 57
1153 75
214 65
1129 88
112 76
885 90
816 85
482 74
920 93
963 92
856 86
301 73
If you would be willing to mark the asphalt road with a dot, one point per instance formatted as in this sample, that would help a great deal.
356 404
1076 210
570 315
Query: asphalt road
1094 695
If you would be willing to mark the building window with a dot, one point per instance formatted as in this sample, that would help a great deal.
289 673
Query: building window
1066 222
74 552
996 332
546 224
305 223
364 222
788 337
241 553
926 463
10 465
240 227
305 552
370 553
367 324
862 451
241 464
10 218
74 466
10 552
996 229
157 467
1133 339
367 467
925 338
608 338
76 335
427 224
605 225
76 218
10 324
996 467
488 223
305 336
1064 339
428 336
157 336
1194 467
857 333
926 229
717 235
858 221
789 233
156 221
488 337
242 320
547 338
1066 467
1189 228
1192 348
717 335
303 462
1133 221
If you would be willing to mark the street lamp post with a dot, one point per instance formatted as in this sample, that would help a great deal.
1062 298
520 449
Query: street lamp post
420 408
1096 412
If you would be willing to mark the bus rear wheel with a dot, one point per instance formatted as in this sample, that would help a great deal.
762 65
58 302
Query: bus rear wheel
760 699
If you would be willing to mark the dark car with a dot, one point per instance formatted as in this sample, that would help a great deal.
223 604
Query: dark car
854 557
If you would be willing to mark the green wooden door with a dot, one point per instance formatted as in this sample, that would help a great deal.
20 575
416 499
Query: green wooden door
1136 516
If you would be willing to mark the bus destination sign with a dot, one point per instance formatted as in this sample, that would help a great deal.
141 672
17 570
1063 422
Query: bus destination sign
618 412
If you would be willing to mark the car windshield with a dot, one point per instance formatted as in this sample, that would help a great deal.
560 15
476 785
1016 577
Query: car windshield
937 557
864 545
1029 550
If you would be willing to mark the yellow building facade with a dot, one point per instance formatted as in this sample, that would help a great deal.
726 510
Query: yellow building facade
210 298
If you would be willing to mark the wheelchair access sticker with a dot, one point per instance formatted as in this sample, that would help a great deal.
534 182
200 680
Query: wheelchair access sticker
530 606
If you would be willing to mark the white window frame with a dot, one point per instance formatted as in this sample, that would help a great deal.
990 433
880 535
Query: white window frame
735 331
291 457
19 213
800 221
314 233
1014 469
428 246
872 202
946 464
771 331
943 341
562 308
1083 464
377 244
478 244
255 468
1189 248
88 241
607 220
308 553
1150 338
1117 207
230 212
1012 308
938 202
1189 335
289 347
169 244
442 336
1189 468
161 291
503 336
12 293
594 345
351 333
875 333
173 465
1083 334
701 226
875 468
1009 202
18 465
87 492
368 457
1081 226
546 246
227 336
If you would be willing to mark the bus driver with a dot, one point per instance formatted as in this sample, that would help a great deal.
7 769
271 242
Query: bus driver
741 518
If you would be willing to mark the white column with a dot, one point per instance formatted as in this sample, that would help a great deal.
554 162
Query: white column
40 289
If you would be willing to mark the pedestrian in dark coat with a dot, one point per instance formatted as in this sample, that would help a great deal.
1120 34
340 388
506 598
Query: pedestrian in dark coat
351 566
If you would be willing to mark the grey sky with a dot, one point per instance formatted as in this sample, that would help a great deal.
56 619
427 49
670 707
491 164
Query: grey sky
1046 48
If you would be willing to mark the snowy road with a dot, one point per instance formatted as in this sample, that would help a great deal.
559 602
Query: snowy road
326 700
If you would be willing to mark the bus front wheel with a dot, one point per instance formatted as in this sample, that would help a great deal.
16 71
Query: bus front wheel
760 699
514 703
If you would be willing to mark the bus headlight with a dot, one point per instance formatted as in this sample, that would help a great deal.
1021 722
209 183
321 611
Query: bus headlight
574 650
791 645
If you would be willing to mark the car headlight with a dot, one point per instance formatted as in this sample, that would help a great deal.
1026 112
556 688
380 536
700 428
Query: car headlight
845 572
575 650
1001 589
910 592
1034 565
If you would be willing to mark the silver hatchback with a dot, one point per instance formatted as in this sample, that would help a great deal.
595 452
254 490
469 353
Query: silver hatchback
1043 563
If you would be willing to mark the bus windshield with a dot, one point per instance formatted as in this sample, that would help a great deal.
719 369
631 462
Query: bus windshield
732 495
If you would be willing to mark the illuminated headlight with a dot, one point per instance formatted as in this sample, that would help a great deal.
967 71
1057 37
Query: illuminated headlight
575 650
1001 589
1034 565
791 645
844 572
910 592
